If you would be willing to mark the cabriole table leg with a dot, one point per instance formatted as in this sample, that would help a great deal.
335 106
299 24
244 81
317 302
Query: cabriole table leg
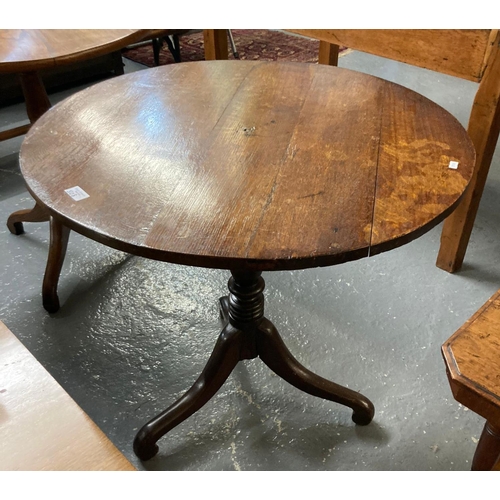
35 214
274 353
59 235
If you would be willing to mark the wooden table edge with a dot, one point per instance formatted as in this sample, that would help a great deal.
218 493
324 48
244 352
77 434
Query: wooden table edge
51 62
231 263
477 393
51 400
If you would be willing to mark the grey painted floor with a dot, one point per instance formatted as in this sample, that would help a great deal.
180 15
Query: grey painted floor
132 335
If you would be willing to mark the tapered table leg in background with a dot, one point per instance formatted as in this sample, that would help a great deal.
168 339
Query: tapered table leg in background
35 95
37 103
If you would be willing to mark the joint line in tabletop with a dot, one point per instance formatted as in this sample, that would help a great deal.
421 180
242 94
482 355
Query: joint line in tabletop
376 176
232 97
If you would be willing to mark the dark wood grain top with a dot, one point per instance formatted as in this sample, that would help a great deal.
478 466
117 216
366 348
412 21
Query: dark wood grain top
258 165
32 50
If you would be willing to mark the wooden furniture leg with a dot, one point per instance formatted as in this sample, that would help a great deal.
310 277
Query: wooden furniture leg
328 53
224 358
215 43
14 132
35 95
156 43
37 103
59 235
273 351
174 47
35 214
119 66
483 129
246 335
458 226
487 453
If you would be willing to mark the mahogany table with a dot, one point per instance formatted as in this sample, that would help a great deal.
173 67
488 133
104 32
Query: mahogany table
26 52
249 167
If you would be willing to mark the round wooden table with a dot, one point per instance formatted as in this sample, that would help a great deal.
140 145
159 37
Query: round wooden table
26 52
250 167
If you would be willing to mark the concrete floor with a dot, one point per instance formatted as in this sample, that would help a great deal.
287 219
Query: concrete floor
132 335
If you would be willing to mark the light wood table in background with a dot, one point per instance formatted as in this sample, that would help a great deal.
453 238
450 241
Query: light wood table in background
472 359
41 427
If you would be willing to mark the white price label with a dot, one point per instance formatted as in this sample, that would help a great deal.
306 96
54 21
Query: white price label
77 193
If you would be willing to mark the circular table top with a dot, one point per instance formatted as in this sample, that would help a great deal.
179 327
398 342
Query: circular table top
32 50
256 165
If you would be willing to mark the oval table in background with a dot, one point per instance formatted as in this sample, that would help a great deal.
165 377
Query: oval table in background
249 167
27 52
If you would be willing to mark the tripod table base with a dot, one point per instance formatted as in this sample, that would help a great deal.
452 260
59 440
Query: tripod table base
246 335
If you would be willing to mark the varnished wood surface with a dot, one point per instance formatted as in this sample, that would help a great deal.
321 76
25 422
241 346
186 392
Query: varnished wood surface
215 44
487 455
461 53
472 357
483 129
41 427
248 165
28 51
328 53
470 54
32 50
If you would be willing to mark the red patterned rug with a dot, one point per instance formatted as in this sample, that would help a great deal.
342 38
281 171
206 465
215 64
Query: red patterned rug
265 45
